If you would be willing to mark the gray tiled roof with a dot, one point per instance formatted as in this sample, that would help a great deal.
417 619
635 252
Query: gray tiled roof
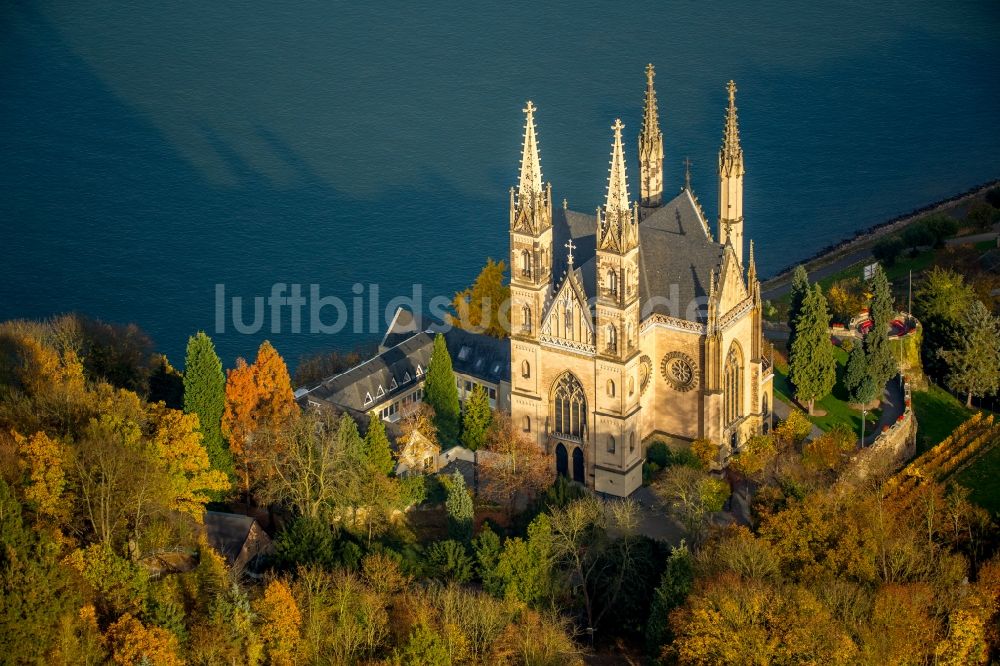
394 371
674 249
227 532
352 388
481 356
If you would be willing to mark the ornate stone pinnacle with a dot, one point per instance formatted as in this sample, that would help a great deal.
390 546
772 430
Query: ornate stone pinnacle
650 73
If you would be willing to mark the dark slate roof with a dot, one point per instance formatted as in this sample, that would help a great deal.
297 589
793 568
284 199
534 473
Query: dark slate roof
394 370
404 325
376 375
674 249
481 356
581 227
227 532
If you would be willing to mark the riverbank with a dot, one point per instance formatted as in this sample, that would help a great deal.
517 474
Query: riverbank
835 258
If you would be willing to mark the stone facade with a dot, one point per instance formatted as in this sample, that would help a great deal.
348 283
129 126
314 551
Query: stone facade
648 329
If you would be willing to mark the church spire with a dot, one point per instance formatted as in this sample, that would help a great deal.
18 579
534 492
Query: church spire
731 153
731 173
530 182
651 147
531 209
617 230
617 183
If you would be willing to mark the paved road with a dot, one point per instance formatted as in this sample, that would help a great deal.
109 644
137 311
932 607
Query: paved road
864 254
893 405
976 238
654 518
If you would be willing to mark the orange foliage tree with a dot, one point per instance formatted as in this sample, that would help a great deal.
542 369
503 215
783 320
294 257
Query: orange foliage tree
259 399
132 644
512 464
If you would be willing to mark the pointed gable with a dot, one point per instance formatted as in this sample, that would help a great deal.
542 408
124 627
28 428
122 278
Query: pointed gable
568 317
732 289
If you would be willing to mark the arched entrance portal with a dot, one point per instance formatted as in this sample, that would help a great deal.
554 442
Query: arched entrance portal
578 465
562 462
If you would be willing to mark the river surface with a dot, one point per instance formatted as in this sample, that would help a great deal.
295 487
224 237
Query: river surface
152 151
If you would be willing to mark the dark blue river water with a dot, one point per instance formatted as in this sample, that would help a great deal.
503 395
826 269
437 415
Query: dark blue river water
149 153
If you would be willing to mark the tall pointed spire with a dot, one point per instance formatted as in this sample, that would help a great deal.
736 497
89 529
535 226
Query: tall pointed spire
617 183
617 230
731 173
530 181
731 149
651 147
531 210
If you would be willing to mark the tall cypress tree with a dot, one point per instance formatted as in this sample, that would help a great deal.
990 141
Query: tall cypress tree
441 393
813 365
797 294
881 362
205 395
476 419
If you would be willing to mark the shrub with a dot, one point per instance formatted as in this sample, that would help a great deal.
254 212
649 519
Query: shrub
888 250
658 453
941 226
982 215
918 235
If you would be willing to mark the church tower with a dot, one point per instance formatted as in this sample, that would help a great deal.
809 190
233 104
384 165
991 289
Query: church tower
731 181
651 148
530 238
618 448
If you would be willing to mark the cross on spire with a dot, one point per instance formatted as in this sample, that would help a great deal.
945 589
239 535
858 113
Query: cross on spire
569 246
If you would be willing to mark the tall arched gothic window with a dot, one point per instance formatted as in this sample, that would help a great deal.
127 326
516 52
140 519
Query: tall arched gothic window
732 384
526 318
612 338
569 407
525 263
612 282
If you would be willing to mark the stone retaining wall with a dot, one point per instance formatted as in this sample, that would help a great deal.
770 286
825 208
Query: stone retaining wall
894 446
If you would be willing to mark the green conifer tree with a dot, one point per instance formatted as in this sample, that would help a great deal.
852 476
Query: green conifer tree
974 366
813 365
441 393
376 446
460 508
797 294
881 361
675 585
856 370
349 439
476 418
205 395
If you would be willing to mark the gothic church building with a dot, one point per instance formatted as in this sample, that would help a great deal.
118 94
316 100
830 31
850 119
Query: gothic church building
635 322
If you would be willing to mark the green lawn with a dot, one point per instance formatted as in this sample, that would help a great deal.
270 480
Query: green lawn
981 480
938 414
835 405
